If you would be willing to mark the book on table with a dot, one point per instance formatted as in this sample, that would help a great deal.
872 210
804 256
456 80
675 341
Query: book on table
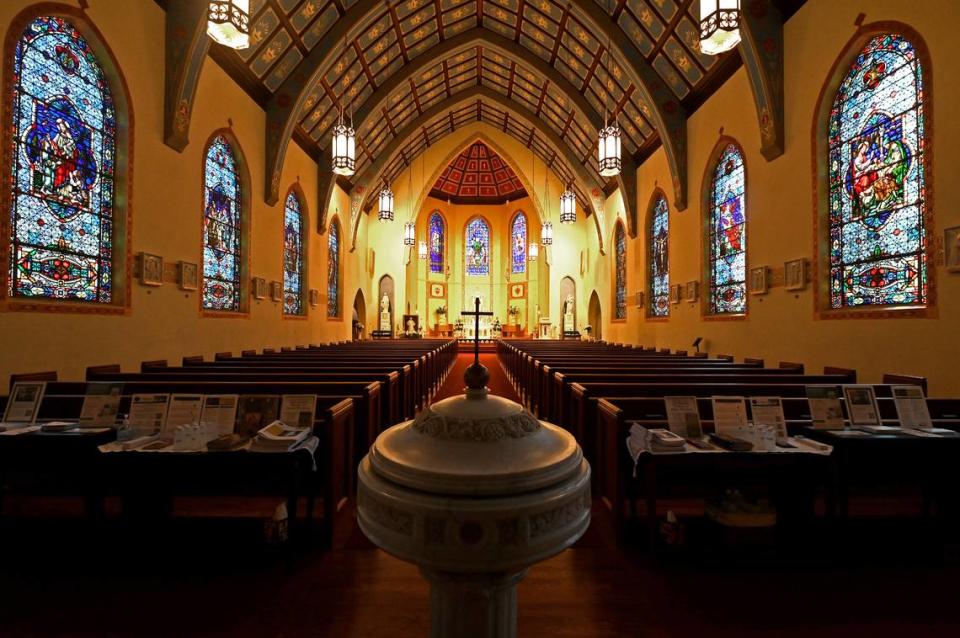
278 437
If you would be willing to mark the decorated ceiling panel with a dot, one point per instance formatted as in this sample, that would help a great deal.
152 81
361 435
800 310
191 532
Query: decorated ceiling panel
477 175
393 33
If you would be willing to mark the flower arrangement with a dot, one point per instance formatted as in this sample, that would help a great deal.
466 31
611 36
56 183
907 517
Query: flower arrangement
442 311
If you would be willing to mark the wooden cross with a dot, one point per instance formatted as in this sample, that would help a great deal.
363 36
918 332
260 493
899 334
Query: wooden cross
476 331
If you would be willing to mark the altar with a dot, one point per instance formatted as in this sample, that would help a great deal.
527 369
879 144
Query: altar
484 330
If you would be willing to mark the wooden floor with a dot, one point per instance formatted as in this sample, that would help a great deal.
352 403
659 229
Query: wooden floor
192 578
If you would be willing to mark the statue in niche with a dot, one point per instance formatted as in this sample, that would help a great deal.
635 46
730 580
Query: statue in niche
568 309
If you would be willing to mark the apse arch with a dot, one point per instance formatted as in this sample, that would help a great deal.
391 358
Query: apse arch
122 216
820 263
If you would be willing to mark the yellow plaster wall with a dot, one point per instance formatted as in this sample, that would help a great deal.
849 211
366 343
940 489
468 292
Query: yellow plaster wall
781 325
164 322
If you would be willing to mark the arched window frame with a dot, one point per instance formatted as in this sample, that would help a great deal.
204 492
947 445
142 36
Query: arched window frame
121 257
437 261
821 264
489 245
708 310
296 193
242 307
620 277
519 266
653 210
334 261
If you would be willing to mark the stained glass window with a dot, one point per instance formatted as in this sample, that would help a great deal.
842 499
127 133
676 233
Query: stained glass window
659 258
477 252
518 239
221 228
437 238
876 172
333 270
620 246
64 125
728 234
292 256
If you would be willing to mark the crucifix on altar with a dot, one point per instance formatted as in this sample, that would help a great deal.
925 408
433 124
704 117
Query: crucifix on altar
476 375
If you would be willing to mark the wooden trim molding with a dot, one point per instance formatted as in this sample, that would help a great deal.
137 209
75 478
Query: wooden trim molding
820 264
122 261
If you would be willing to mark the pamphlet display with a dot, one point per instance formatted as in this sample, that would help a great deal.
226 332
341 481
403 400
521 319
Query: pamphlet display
769 411
729 414
683 417
101 405
912 408
825 408
24 402
256 412
148 412
184 409
298 410
861 405
220 412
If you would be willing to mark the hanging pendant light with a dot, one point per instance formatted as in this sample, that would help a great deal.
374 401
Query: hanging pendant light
409 234
386 204
609 150
422 249
719 25
228 22
568 207
533 251
546 234
344 147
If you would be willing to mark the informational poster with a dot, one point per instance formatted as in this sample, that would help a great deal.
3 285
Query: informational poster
220 412
729 413
912 410
825 408
24 402
861 405
101 405
298 410
148 412
184 409
683 417
256 411
769 411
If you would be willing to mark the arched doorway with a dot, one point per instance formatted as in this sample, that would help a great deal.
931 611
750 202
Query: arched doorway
385 312
568 307
359 316
595 316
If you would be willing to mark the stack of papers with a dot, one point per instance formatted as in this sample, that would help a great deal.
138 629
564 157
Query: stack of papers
656 440
278 437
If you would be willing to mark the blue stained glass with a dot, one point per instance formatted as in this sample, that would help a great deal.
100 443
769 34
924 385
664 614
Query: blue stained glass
728 239
292 256
333 270
64 122
620 244
221 228
477 253
876 179
659 259
437 238
518 239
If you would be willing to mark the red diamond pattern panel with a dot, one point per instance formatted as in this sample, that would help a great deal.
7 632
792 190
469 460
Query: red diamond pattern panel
478 173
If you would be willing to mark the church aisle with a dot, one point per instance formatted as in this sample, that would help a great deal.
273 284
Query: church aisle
499 383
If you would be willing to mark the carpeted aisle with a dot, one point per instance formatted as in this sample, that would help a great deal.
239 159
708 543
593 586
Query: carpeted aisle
499 384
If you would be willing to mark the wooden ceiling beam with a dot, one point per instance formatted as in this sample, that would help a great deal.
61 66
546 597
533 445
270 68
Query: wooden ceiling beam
761 48
186 46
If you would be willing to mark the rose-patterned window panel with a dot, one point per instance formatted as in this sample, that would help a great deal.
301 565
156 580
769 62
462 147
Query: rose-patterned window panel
728 235
292 256
660 259
333 271
876 173
437 239
62 199
477 249
620 246
221 228
518 241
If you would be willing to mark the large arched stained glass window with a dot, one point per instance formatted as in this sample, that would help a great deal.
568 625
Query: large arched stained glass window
292 256
620 289
659 258
437 233
333 270
477 248
728 234
62 202
876 166
221 228
518 244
